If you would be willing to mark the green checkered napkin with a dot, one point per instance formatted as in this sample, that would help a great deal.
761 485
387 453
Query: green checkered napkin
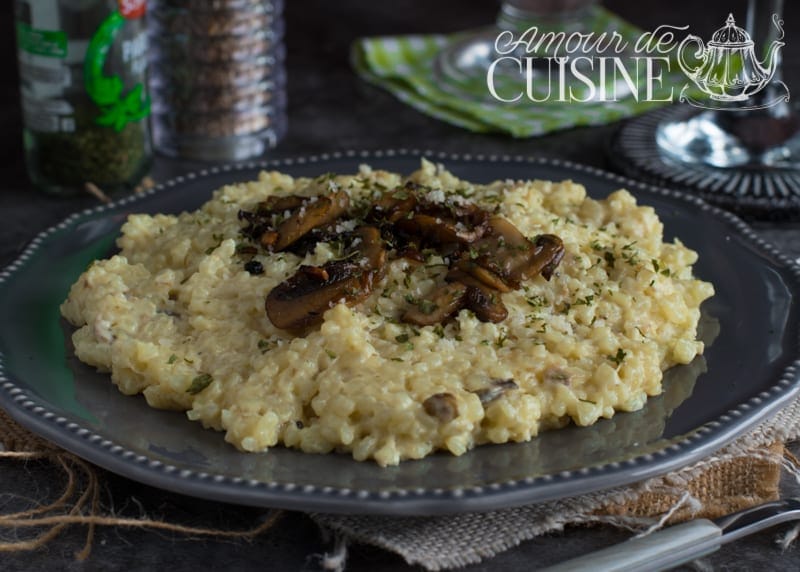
404 65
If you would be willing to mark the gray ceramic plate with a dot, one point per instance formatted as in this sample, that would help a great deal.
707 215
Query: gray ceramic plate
749 371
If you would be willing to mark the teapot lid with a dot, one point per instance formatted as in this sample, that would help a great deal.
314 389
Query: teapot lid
731 34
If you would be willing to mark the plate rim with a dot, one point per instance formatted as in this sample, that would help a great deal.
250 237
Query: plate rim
33 414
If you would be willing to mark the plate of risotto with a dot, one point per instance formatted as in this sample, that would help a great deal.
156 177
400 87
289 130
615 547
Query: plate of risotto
397 332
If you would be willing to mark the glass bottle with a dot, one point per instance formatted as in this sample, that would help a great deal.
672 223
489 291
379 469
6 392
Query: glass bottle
218 78
83 66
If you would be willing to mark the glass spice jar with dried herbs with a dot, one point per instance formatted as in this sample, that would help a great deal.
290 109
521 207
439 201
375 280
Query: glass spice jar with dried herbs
84 95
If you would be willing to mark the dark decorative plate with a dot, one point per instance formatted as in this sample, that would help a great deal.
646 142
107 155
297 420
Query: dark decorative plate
749 370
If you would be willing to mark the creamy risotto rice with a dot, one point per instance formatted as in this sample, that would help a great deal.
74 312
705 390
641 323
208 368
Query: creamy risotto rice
177 317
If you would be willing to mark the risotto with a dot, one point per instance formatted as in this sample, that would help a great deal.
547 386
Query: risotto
347 313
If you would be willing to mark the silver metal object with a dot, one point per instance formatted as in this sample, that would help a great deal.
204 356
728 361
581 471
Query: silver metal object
217 79
682 543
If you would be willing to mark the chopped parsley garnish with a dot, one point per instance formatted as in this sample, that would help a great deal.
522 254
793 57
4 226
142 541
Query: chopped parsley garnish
172 359
618 359
501 340
199 383
536 301
427 307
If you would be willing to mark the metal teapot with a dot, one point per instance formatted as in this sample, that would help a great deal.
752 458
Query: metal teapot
729 70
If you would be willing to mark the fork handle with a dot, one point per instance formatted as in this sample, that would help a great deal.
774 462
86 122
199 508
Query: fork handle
660 550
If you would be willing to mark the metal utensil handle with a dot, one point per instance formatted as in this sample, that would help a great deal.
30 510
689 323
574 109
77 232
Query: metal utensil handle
663 549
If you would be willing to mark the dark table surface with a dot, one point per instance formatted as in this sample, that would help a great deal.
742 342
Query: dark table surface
329 109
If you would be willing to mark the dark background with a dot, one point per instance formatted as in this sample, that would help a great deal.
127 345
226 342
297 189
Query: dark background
329 109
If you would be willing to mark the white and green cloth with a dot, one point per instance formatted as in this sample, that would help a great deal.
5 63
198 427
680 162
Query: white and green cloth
404 65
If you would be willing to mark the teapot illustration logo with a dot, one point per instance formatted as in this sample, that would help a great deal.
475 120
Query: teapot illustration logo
729 72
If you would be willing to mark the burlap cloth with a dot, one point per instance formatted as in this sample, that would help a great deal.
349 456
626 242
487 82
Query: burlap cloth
745 473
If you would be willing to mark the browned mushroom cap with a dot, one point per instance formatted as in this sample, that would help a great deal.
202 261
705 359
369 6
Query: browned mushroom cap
480 298
302 300
486 304
505 251
276 204
443 406
393 205
372 253
323 211
508 254
437 306
437 230
496 388
269 239
482 274
548 255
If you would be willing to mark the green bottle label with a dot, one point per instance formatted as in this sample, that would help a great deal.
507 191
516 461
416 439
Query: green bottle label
51 43
116 108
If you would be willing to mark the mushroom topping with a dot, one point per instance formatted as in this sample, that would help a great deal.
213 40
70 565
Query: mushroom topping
495 390
438 306
443 406
486 254
372 252
310 215
462 291
394 205
275 204
480 298
308 242
505 251
487 277
301 301
486 304
437 231
549 252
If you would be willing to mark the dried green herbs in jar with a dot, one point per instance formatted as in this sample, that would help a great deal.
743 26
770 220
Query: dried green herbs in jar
84 97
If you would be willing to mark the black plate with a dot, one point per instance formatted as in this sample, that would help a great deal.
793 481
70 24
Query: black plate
749 371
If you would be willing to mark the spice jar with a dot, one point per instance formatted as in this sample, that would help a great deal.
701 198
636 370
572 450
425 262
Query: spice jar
84 95
217 77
